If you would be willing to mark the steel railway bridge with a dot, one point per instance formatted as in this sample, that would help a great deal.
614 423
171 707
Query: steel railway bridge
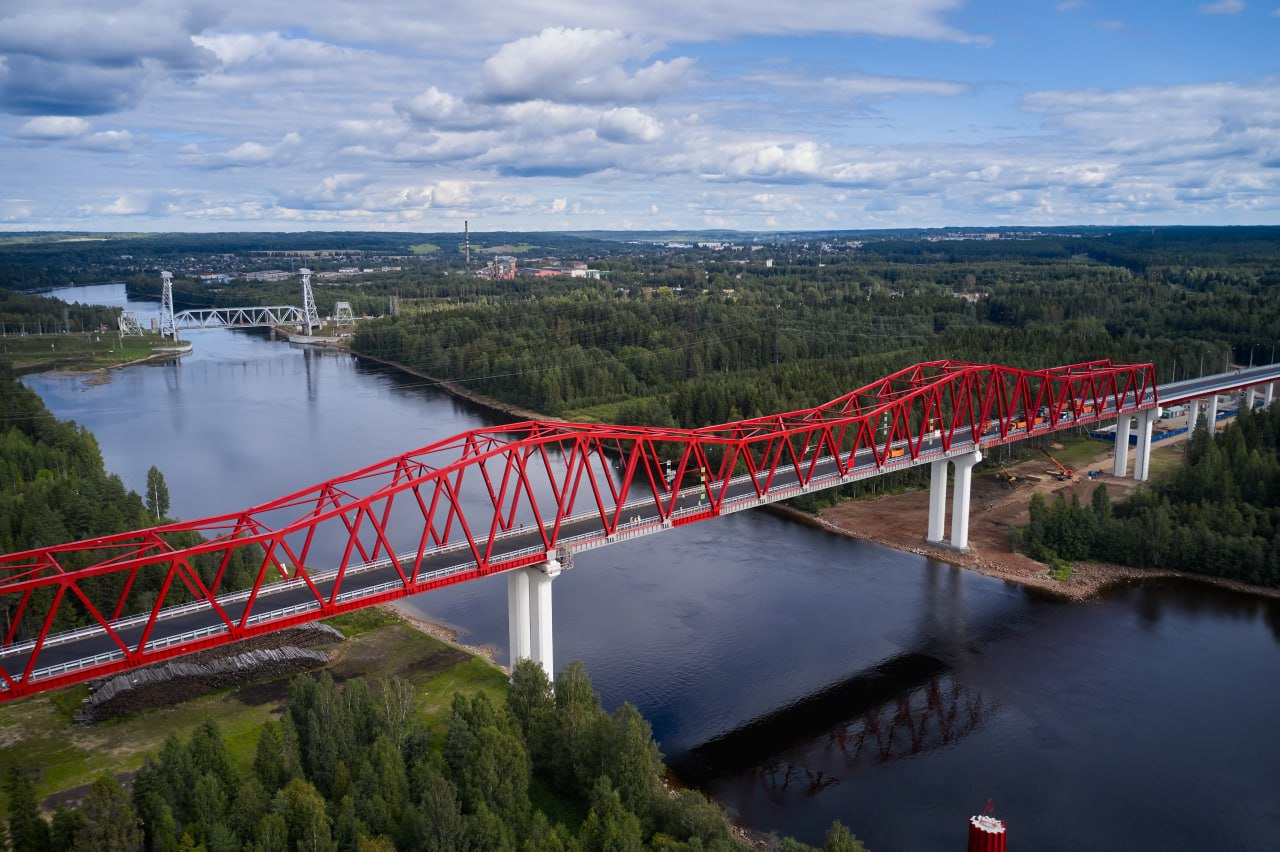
522 499
305 317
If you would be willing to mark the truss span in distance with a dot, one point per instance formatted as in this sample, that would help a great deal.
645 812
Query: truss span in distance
495 499
263 317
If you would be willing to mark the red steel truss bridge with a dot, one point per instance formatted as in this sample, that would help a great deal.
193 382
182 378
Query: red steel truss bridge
521 496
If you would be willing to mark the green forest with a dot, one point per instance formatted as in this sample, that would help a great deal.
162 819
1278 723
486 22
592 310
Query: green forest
353 769
698 337
1219 514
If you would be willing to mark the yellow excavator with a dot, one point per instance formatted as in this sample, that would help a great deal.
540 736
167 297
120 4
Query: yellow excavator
1062 473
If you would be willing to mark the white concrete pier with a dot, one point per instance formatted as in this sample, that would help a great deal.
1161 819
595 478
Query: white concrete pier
529 621
960 491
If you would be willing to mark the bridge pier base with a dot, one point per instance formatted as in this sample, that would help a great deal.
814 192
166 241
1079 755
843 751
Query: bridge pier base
937 499
1121 465
529 621
1142 457
959 500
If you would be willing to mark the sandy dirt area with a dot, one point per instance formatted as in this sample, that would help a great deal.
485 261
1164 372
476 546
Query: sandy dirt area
997 506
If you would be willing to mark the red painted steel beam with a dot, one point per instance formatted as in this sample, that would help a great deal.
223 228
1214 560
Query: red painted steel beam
469 491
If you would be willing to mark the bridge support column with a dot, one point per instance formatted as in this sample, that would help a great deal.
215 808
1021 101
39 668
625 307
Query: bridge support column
960 499
529 620
1193 414
1142 458
540 612
937 499
518 615
1121 466
1211 414
1266 394
1249 395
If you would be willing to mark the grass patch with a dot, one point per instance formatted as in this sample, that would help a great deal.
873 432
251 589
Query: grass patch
1061 573
38 732
1078 453
1166 460
77 351
360 621
523 248
71 755
424 248
67 701
471 677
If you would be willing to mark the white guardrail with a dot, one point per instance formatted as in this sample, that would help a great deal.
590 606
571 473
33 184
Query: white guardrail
640 525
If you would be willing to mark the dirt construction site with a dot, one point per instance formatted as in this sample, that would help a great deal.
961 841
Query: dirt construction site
999 502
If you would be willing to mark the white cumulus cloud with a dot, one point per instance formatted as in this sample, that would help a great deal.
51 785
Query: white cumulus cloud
580 65
628 124
53 127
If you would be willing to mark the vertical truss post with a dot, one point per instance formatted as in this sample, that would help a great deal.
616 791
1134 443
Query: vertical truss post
167 325
310 316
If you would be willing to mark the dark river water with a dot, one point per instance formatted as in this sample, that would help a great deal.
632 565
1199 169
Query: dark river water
796 676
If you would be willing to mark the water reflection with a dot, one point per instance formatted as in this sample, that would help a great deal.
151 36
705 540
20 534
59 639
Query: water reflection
903 707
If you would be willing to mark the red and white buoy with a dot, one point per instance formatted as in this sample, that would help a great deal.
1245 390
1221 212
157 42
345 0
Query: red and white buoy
986 832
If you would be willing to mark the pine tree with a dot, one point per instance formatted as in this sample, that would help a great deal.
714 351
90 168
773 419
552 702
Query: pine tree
28 832
111 824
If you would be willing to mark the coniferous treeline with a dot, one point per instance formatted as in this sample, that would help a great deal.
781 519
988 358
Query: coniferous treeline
55 489
353 770
21 314
1219 514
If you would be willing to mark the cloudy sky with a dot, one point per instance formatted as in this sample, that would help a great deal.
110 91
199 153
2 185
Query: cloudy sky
587 114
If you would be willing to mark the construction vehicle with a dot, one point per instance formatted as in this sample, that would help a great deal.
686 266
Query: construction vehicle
1006 475
1062 473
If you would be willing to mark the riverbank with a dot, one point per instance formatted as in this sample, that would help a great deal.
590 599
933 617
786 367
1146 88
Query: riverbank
443 633
996 508
455 389
80 354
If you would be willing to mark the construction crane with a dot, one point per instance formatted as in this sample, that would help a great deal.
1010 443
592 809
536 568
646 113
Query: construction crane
1063 473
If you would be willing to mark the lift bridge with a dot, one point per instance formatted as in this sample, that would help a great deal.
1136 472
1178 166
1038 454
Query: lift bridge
306 317
521 499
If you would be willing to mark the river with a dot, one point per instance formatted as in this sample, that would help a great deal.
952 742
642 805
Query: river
796 676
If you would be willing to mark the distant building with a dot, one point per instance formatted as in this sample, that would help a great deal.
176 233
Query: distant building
501 268
268 275
571 270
